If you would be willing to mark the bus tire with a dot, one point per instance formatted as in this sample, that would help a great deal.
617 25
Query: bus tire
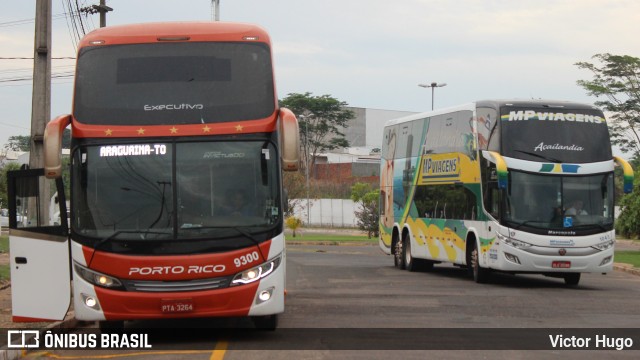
480 274
571 279
398 256
409 261
267 322
112 326
412 264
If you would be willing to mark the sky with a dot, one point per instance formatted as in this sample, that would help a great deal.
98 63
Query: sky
370 54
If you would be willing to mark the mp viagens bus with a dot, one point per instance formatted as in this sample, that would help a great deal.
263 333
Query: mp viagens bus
172 123
493 186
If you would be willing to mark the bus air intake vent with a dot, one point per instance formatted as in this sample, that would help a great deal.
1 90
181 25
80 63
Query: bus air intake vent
177 286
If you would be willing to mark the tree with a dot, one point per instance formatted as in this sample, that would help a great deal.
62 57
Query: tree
18 143
294 186
367 218
293 223
628 223
3 182
23 142
321 120
616 80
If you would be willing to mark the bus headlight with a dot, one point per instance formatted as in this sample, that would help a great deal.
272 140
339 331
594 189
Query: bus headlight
257 273
97 278
605 245
513 242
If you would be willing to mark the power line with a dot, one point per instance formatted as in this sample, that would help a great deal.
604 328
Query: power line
60 75
31 58
28 21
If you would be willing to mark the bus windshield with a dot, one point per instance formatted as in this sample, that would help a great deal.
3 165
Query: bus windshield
175 191
555 135
174 83
563 203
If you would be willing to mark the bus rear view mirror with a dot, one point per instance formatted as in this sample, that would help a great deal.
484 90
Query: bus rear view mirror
53 146
501 167
290 140
627 172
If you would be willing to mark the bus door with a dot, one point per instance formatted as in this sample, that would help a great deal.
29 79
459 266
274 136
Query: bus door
38 247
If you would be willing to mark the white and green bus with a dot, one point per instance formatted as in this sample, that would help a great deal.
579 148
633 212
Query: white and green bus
499 185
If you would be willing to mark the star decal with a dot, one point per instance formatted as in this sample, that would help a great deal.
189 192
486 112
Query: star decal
141 131
239 127
108 132
206 129
174 130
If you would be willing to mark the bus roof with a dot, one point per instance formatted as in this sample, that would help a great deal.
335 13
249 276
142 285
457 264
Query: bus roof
493 104
175 31
468 106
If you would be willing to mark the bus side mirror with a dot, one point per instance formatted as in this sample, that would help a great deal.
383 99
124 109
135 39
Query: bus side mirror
53 146
627 172
501 167
289 140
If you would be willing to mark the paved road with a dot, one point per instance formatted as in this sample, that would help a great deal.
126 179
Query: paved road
345 298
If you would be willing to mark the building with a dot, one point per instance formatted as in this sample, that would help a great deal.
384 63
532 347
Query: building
362 159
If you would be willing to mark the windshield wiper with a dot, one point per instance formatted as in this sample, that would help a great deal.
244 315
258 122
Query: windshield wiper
250 236
244 233
518 225
540 156
101 242
583 226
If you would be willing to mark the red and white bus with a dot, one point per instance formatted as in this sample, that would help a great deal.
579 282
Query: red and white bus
178 147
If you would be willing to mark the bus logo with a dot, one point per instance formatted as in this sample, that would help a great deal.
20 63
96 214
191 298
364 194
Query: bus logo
25 339
440 168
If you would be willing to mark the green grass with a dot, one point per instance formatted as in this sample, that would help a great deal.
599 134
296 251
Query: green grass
4 244
628 257
320 237
4 248
5 272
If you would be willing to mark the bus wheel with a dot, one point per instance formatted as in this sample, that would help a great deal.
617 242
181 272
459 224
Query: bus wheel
571 279
409 261
111 326
268 322
480 274
398 256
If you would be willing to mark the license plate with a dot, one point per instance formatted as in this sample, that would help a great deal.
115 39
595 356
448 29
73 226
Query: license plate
561 264
176 306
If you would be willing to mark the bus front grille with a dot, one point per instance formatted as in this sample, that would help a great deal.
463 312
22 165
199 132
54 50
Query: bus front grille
177 286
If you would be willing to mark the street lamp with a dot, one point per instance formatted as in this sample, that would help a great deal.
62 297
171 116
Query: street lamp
433 86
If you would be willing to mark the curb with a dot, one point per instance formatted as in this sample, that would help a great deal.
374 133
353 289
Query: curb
331 243
628 268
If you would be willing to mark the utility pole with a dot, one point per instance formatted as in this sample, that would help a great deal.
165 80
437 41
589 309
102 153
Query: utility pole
41 95
103 9
215 8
